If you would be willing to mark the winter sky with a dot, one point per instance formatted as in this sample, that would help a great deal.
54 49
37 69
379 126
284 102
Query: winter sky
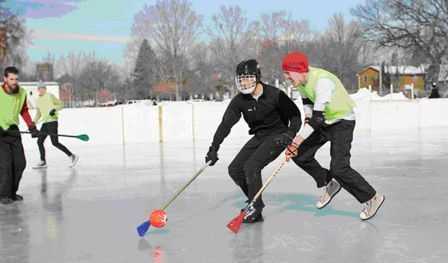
103 26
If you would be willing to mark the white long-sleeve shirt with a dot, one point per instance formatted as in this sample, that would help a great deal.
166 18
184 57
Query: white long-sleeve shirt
324 93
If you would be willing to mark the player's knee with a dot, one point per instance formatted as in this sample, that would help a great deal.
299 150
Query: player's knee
234 170
251 168
338 169
237 174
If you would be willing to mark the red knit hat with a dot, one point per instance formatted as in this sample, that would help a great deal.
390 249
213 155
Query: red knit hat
296 62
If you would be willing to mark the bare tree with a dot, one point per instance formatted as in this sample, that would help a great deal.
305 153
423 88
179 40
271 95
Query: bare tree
232 40
201 75
13 39
295 32
73 63
96 76
394 71
339 49
270 31
271 26
173 26
277 34
69 71
370 54
414 25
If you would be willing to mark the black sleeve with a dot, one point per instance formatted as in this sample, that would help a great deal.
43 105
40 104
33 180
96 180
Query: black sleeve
290 111
307 101
231 116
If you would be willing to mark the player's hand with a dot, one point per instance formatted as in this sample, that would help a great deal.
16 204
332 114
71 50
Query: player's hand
211 156
52 112
34 131
291 151
283 139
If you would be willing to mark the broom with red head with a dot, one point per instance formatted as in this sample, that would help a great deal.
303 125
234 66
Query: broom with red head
235 224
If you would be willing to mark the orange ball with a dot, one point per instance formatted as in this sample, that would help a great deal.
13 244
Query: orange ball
158 218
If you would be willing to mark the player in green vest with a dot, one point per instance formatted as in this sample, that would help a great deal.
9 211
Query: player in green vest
12 156
329 117
47 112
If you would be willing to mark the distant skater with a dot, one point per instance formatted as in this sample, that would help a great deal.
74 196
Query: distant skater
47 112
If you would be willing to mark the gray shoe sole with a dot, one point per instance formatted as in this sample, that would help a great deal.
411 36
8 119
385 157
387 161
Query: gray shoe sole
384 199
40 167
331 198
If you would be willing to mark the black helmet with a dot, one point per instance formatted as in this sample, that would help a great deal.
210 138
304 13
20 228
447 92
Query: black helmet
247 76
249 67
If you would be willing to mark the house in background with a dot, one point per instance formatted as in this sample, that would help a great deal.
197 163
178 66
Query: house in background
405 77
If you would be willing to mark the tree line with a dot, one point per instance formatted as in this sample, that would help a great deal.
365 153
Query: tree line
174 52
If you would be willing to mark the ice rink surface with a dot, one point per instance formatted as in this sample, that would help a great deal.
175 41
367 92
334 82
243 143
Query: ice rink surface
89 214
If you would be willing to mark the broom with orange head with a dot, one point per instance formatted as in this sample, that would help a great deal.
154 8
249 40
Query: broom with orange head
158 218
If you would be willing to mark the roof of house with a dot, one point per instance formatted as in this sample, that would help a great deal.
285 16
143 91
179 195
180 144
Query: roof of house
402 70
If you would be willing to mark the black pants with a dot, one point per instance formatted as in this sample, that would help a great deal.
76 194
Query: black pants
340 136
245 169
52 128
12 164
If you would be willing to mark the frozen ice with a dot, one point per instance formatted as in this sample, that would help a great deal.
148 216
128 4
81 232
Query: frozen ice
90 213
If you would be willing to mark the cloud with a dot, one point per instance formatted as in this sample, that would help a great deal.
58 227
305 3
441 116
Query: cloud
47 35
41 8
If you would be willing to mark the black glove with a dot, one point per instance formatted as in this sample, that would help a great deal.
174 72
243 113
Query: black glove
307 119
34 132
212 156
12 131
52 112
283 139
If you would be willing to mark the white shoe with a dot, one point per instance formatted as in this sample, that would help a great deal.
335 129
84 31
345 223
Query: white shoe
371 207
40 165
74 159
332 188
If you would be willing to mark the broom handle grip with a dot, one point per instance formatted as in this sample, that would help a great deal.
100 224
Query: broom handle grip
185 186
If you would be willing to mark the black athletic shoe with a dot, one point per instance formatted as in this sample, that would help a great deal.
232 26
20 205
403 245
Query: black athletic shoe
17 198
254 217
6 200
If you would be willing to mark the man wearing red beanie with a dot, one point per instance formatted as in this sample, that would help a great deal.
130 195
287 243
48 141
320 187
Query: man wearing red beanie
330 117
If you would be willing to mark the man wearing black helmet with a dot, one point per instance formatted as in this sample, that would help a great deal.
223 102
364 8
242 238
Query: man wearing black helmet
273 119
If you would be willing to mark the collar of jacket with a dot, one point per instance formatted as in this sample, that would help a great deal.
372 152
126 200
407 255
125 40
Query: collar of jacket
250 97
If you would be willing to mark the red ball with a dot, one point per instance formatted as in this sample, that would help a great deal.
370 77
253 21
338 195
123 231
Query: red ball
158 218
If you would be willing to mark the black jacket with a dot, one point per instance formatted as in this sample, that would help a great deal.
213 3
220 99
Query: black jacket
434 93
274 111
